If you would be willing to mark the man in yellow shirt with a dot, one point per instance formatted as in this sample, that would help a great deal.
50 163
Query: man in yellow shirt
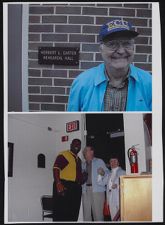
68 178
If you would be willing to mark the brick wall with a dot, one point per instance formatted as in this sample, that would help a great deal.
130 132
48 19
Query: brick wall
77 25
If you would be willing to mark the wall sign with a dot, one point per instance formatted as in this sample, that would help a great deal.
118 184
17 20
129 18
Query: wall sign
58 56
64 138
72 126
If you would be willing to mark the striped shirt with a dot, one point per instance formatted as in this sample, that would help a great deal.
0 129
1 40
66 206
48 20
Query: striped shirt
115 98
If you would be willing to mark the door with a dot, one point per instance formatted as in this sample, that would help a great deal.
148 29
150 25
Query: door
105 133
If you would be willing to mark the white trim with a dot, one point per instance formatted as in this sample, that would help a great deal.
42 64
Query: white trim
25 20
157 153
5 105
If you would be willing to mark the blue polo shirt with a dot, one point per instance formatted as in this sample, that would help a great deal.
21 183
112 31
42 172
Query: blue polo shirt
96 164
88 90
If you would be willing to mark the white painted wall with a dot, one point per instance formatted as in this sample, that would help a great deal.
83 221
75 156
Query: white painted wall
30 137
134 134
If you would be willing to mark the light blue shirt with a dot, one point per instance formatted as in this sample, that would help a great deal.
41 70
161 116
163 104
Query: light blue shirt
96 164
88 90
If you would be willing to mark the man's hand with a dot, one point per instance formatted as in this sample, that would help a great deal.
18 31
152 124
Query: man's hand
100 171
60 188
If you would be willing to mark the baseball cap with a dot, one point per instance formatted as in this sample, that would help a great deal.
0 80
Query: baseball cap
115 28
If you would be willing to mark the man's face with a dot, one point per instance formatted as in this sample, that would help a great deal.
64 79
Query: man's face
118 53
114 163
75 146
89 154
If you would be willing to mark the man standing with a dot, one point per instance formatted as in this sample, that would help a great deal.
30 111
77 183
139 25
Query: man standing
93 194
68 179
115 85
111 181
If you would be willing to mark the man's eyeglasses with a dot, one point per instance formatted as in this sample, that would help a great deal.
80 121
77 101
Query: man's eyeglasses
115 44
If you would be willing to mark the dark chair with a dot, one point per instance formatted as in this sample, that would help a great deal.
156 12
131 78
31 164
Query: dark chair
47 206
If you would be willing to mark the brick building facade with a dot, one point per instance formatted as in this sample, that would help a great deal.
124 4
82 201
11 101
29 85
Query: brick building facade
77 25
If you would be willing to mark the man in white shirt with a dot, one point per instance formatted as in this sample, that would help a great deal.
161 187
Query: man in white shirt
112 182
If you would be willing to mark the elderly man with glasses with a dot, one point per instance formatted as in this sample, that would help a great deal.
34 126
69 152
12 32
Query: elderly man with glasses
115 85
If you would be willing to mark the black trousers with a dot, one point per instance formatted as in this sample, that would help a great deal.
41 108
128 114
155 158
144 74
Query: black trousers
67 206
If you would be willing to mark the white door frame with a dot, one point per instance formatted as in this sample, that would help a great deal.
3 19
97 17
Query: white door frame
25 24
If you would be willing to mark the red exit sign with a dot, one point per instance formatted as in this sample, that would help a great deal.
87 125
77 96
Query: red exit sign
72 126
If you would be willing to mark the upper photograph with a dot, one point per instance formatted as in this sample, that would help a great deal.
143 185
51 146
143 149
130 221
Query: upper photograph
78 57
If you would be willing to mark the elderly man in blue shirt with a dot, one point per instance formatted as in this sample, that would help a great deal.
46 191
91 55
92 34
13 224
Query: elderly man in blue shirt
115 85
93 194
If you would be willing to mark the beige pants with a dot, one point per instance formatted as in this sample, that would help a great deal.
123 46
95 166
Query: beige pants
93 203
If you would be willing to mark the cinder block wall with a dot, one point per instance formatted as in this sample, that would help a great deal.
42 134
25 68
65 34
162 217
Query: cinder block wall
77 25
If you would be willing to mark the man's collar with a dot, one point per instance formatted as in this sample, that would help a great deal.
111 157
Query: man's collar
123 84
94 158
115 169
133 72
101 77
73 154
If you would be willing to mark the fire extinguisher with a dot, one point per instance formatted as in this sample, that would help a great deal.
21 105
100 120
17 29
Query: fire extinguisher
133 159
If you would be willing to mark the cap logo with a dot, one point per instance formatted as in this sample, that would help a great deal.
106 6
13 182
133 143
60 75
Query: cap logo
117 24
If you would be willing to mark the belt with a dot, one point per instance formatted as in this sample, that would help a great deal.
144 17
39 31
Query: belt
88 184
69 182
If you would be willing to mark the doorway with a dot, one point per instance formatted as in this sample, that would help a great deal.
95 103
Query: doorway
105 132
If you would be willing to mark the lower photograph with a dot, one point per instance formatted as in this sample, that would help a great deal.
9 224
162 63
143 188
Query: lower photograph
81 167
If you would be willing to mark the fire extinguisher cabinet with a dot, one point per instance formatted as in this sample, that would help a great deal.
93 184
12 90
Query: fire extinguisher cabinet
136 198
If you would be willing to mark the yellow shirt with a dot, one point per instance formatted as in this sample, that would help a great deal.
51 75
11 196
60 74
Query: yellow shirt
69 165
